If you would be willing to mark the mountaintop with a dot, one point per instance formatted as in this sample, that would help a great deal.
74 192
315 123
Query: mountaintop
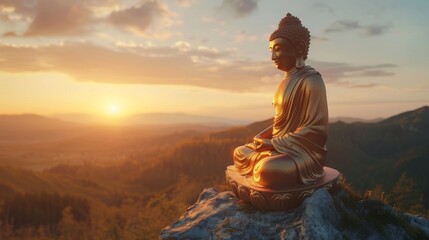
220 215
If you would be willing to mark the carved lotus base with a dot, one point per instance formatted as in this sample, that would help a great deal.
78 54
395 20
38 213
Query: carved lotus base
276 199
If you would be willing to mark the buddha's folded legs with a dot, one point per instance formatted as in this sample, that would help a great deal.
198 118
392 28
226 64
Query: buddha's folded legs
276 171
267 168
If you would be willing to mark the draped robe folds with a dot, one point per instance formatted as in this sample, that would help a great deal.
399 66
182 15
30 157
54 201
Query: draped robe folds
299 129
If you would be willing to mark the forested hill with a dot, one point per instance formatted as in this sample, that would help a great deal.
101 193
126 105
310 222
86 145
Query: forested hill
383 156
393 154
161 174
390 156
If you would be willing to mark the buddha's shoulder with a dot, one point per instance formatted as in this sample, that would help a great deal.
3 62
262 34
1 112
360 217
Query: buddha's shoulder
313 79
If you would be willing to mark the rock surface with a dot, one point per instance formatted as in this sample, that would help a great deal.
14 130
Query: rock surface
321 216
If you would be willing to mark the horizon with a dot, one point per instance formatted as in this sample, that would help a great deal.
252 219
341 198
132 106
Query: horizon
181 113
206 58
206 120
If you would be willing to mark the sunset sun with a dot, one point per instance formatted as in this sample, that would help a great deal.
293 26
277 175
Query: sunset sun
113 110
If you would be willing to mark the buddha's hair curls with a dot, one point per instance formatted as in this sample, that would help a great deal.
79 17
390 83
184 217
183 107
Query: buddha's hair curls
290 27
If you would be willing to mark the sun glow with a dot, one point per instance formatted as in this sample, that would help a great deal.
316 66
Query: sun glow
113 110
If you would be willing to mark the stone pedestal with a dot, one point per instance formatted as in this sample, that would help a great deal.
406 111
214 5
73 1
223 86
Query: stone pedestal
276 199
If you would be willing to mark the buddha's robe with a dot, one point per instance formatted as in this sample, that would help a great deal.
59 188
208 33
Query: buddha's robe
299 134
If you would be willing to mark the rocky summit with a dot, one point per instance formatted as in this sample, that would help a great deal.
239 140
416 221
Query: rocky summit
324 215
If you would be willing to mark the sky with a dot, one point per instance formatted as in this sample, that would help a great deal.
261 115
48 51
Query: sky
206 57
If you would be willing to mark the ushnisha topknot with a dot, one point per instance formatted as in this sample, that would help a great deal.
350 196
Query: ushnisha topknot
290 27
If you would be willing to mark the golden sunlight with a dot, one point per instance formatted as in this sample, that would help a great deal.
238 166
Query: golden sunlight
113 110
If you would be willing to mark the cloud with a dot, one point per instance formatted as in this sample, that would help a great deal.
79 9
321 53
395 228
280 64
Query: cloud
243 36
89 62
317 38
138 19
10 34
349 25
59 17
8 12
239 8
342 25
182 46
335 73
73 17
374 30
19 6
213 20
323 6
180 64
50 18
185 3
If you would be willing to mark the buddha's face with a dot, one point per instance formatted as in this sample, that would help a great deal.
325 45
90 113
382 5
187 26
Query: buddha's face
283 53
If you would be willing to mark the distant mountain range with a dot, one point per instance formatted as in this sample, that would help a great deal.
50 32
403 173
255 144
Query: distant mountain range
24 128
178 118
352 120
154 119
34 122
31 128
368 154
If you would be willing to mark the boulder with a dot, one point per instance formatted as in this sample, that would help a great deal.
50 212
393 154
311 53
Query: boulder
220 215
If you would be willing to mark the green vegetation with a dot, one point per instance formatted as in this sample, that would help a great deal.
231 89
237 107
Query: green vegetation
130 183
51 216
369 213
42 209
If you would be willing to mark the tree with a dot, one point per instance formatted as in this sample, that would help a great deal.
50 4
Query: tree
69 228
405 196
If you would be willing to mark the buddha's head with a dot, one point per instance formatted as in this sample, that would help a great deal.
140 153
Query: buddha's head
289 43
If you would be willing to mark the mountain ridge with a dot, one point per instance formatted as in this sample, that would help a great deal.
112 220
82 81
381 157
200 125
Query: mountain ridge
154 118
32 122
163 171
384 150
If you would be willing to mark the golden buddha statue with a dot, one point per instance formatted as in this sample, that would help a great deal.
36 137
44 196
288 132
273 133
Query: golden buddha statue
285 162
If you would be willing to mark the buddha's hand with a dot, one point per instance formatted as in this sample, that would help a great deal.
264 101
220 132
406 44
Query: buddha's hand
257 137
263 144
256 142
